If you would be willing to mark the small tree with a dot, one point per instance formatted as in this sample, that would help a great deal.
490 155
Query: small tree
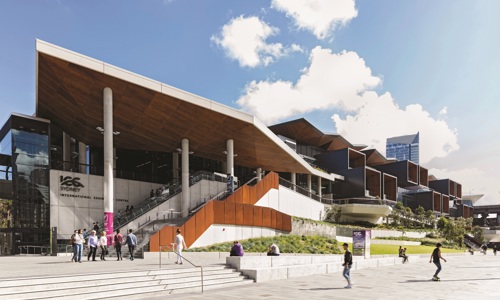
441 223
333 214
420 214
478 233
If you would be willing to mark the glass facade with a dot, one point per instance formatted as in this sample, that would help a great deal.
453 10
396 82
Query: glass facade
403 148
24 184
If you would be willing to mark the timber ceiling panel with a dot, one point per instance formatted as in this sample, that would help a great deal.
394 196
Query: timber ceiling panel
71 96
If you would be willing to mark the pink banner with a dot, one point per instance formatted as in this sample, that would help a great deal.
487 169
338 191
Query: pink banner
108 227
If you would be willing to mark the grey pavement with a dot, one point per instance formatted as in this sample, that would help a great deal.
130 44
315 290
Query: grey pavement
463 277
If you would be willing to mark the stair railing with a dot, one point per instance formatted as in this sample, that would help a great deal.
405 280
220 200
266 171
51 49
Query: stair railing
172 246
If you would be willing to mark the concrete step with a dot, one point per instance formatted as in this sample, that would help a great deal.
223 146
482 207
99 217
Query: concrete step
131 284
69 291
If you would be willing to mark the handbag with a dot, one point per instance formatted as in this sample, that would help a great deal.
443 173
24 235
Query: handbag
107 252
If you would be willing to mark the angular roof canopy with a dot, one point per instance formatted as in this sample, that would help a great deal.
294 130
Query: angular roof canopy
304 132
151 115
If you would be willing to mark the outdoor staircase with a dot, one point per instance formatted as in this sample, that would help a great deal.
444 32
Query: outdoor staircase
125 285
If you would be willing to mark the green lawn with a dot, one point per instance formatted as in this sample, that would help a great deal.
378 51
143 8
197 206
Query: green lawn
393 249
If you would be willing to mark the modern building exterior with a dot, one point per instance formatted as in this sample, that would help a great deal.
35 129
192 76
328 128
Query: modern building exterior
104 139
404 147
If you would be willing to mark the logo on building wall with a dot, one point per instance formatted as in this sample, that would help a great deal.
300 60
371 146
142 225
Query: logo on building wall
70 184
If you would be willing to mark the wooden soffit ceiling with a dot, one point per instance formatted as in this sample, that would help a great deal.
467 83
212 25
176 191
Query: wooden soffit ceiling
71 96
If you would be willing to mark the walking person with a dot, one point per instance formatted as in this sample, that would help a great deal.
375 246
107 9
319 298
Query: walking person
180 243
103 243
131 243
495 249
92 245
73 245
118 240
435 257
79 241
347 265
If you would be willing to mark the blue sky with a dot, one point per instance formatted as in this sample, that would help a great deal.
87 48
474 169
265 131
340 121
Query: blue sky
365 69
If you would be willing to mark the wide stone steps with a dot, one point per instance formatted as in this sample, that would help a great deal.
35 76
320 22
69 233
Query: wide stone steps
132 284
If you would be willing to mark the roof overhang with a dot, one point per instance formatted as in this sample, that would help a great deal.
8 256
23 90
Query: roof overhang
151 115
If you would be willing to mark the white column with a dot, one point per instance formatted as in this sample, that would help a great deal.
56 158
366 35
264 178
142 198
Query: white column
186 197
108 163
259 174
230 157
309 183
319 187
175 167
294 180
66 151
82 157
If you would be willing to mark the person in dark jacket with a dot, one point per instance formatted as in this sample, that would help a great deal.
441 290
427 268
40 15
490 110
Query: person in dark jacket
347 265
435 257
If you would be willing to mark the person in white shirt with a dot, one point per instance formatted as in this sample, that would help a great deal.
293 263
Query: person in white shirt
273 250
92 245
79 241
180 243
103 243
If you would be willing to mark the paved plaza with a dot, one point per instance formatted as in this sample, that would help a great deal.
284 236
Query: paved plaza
463 277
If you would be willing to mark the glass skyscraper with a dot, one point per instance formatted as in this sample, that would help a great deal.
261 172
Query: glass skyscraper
404 147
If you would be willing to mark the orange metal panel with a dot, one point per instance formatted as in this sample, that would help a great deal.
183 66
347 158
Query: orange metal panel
248 215
279 220
154 242
257 216
219 212
190 231
229 213
238 214
200 222
273 218
287 223
209 213
266 217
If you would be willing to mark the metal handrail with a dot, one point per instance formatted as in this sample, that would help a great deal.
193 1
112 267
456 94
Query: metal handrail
28 247
172 247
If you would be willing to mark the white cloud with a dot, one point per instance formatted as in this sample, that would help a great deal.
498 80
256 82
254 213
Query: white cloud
331 80
320 17
443 111
244 40
380 117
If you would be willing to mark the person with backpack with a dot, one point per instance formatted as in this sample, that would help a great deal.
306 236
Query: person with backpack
118 240
72 243
79 241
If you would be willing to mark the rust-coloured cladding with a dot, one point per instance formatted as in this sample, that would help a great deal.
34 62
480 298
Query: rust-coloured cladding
423 176
238 214
446 204
287 223
356 159
189 232
209 213
390 186
266 217
229 213
200 221
257 216
167 236
471 212
459 190
412 172
436 197
154 243
372 178
279 220
219 212
273 218
248 215
451 186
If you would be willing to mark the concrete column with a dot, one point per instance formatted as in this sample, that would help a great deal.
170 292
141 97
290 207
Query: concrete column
294 180
82 157
186 197
309 183
66 151
319 187
108 163
259 174
230 157
175 167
